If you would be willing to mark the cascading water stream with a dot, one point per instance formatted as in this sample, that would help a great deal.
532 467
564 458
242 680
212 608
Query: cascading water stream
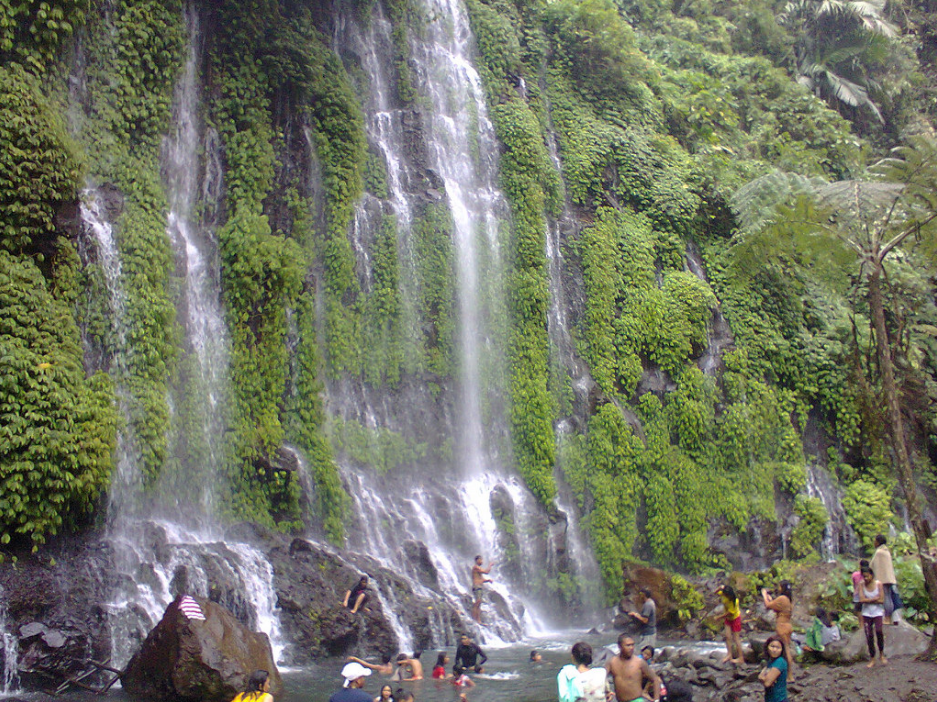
156 556
463 151
10 651
719 335
206 382
448 510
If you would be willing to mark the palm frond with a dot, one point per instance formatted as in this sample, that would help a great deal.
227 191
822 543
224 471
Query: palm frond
756 203
851 93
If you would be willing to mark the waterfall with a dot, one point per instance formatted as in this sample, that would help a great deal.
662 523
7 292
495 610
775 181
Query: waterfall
463 151
205 365
440 150
567 366
167 541
838 536
10 651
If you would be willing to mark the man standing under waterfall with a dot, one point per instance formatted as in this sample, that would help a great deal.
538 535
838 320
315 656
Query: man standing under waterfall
478 589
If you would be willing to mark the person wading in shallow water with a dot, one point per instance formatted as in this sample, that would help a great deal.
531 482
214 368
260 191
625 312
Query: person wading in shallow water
478 586
467 655
354 675
628 672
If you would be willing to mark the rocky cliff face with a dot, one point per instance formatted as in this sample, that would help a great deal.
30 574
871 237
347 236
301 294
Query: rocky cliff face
59 607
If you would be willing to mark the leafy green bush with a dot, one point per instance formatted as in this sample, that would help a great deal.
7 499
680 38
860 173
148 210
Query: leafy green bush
39 167
686 599
868 511
809 529
32 31
57 427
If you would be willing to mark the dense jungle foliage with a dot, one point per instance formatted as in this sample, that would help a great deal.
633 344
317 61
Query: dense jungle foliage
658 110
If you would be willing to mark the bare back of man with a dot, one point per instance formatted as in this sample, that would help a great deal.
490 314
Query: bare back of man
629 671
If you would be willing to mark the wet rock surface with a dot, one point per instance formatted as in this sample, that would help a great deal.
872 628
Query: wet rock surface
195 659
57 603
56 606
904 679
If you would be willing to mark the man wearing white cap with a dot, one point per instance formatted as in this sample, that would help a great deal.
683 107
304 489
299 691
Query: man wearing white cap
354 674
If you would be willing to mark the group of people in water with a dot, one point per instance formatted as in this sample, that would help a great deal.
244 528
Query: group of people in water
627 676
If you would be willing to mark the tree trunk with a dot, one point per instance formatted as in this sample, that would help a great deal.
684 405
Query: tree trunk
905 471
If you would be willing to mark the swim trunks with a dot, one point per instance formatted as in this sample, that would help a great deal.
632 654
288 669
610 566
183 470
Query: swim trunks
478 593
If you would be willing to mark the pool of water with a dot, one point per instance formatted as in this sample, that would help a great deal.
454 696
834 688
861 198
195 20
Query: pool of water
508 676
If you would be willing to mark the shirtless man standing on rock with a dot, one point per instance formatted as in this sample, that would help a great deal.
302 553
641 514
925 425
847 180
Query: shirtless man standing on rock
628 672
478 589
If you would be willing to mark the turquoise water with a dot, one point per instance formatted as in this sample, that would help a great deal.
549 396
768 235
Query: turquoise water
508 676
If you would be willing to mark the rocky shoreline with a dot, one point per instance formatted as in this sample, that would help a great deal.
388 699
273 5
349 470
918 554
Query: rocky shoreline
56 603
905 679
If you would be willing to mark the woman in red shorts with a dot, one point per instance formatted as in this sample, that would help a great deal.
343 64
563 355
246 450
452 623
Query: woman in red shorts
733 624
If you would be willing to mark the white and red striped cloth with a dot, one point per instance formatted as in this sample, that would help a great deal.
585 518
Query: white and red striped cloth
191 609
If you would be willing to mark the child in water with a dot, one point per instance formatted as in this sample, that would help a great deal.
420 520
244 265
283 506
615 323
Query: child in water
460 679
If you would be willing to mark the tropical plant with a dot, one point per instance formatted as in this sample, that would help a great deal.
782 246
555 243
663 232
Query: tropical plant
856 226
838 44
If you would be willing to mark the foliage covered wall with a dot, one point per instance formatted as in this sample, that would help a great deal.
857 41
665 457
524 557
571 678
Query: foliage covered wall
658 112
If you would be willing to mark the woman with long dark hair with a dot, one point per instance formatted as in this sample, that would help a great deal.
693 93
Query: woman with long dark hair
774 674
439 670
258 688
732 624
783 607
872 598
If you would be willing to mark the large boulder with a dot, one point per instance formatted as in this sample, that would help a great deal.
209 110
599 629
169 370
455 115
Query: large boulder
900 640
203 660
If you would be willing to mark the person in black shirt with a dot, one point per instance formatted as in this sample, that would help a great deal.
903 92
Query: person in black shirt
357 596
467 655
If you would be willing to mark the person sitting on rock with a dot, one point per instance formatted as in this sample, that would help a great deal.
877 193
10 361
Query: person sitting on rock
647 653
356 597
822 631
258 688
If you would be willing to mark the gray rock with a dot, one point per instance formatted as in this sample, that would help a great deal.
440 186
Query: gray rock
206 660
900 640
32 629
54 639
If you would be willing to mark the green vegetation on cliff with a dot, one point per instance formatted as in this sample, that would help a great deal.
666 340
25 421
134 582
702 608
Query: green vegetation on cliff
632 122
